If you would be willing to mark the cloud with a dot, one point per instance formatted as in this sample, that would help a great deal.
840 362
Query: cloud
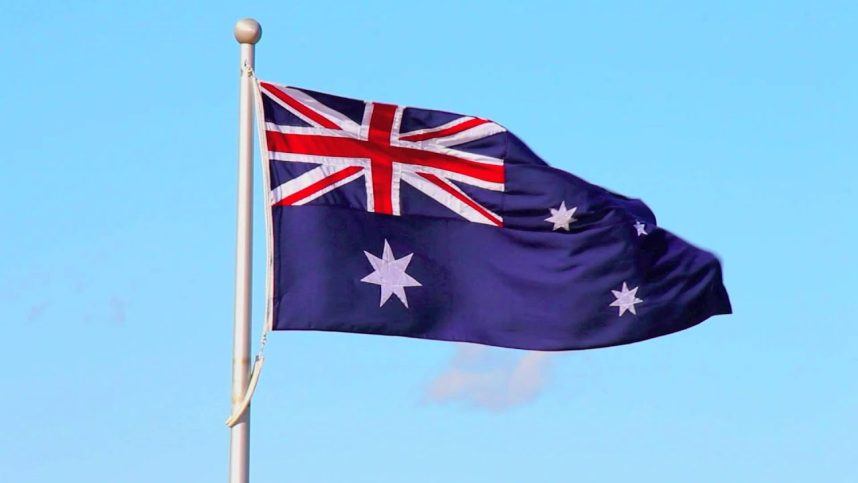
118 308
36 311
491 378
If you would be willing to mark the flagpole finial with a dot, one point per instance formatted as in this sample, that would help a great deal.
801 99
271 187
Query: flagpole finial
247 31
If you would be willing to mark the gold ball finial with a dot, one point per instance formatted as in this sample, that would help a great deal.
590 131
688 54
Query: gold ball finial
247 31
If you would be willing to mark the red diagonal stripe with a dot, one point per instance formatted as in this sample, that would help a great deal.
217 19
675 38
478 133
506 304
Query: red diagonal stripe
464 199
318 186
298 106
445 132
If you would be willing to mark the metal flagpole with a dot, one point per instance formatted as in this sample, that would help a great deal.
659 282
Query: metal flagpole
247 33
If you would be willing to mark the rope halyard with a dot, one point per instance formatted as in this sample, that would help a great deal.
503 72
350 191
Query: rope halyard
259 360
254 379
246 70
248 395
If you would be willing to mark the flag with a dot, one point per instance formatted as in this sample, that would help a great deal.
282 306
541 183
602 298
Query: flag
412 222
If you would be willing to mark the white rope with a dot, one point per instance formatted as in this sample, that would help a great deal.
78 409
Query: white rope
251 385
267 322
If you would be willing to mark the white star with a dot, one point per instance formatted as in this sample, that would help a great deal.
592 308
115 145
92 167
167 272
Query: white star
390 275
626 299
640 227
562 217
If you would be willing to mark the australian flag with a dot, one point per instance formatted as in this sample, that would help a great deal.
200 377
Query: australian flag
395 220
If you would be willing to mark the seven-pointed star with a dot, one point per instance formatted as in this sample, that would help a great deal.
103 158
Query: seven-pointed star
626 299
390 274
562 217
640 228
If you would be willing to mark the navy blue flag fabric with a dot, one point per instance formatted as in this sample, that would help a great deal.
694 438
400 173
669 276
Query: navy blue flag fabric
411 222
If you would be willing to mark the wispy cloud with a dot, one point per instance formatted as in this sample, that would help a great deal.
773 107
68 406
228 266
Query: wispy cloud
491 378
36 311
118 308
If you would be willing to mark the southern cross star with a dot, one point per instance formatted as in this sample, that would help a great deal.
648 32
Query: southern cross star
640 228
562 217
390 275
626 299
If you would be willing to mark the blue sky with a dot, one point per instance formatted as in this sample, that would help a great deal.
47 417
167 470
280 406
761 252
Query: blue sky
735 122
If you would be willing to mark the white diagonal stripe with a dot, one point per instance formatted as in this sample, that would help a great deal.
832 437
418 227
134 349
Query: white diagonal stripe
472 134
456 205
453 123
315 175
334 116
289 108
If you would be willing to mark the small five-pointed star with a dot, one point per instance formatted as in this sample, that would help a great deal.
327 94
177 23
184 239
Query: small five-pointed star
640 228
562 217
626 299
390 274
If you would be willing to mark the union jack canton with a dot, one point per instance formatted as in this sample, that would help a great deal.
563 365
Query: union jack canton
366 140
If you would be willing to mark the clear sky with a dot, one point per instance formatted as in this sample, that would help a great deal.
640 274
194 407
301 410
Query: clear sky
736 123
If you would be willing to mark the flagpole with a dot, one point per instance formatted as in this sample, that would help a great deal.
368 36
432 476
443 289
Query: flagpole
247 32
